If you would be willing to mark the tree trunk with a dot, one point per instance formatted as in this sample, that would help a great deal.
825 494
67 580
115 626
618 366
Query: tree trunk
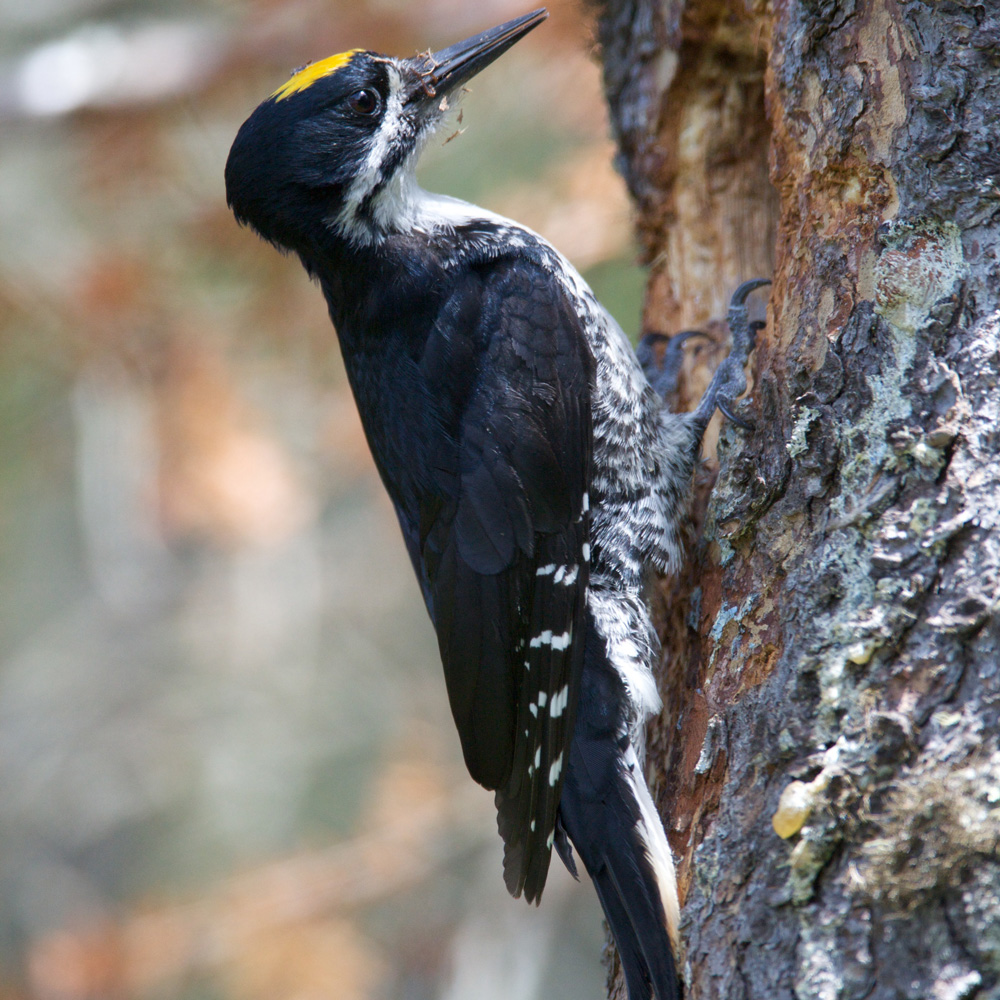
831 666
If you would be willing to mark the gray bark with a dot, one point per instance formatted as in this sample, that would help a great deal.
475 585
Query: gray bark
832 651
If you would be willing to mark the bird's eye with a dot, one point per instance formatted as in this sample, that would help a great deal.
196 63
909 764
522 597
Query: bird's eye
365 102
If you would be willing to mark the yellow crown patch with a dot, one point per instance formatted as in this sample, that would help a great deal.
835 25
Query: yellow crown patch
308 75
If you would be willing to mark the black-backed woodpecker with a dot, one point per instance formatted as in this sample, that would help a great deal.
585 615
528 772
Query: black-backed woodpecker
536 473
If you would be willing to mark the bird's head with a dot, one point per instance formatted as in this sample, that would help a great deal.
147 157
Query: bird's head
332 151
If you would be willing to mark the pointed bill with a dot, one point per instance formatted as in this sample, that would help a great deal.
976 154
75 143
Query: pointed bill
445 71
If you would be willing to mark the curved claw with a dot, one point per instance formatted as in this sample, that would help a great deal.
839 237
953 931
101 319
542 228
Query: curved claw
729 379
673 352
744 333
672 340
653 337
739 297
725 406
679 338
663 372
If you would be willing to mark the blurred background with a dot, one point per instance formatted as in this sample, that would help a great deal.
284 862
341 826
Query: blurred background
227 765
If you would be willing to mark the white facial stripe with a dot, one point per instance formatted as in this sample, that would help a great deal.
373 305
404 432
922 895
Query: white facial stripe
370 175
400 204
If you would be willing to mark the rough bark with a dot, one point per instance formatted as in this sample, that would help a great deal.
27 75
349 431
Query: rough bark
832 651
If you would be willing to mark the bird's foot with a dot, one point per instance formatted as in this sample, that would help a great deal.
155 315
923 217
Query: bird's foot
663 373
729 380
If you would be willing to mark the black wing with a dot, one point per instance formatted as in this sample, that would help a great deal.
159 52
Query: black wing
503 541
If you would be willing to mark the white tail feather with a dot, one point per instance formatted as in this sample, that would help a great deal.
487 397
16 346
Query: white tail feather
654 839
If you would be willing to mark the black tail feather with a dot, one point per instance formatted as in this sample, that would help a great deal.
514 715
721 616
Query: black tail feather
603 814
615 859
633 962
636 918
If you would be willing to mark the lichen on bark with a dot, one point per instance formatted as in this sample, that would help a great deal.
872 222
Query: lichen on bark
837 623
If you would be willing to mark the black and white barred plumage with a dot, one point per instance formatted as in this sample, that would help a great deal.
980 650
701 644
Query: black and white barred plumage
536 474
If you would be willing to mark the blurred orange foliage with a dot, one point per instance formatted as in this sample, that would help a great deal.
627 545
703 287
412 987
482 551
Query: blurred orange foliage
185 489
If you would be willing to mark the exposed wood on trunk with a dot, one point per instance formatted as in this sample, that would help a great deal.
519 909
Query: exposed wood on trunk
832 651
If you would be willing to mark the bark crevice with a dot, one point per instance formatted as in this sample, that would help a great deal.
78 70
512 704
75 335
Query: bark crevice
832 648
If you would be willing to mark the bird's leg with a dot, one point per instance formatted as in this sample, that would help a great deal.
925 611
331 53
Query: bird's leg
662 374
729 380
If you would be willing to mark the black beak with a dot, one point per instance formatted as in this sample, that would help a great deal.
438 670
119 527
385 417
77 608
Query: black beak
445 71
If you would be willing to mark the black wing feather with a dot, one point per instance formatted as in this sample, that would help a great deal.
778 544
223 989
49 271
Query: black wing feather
505 517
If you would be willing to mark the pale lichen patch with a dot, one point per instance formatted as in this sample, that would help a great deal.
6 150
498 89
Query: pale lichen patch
921 264
797 443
